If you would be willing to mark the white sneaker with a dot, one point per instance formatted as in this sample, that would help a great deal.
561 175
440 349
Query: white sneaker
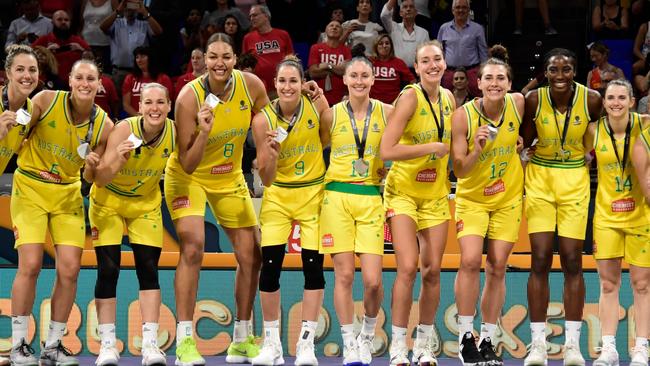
351 354
305 355
270 354
399 354
639 356
108 356
608 356
536 354
23 355
572 355
153 356
364 341
423 354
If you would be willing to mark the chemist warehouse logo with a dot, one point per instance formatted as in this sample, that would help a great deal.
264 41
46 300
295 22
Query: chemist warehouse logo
266 47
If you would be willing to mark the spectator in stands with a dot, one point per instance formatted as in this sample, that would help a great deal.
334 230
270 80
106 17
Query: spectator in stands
543 12
227 7
603 72
609 20
66 46
191 33
461 90
269 45
405 35
246 5
197 64
49 7
106 97
246 62
336 13
30 26
145 70
464 43
361 30
126 33
231 26
327 63
391 72
93 13
48 70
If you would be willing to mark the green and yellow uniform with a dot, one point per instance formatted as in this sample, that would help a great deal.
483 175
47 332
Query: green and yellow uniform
10 144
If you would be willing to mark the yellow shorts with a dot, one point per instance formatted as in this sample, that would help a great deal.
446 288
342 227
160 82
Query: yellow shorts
37 206
109 212
630 243
186 197
425 212
556 196
499 224
351 223
281 206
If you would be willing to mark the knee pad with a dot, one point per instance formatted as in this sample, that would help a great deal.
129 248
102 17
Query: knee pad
146 266
272 258
108 271
312 269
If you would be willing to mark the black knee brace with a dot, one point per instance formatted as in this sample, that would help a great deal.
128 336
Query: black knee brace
108 271
272 258
146 265
312 269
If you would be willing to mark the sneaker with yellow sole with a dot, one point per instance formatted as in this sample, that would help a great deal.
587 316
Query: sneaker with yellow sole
243 352
187 354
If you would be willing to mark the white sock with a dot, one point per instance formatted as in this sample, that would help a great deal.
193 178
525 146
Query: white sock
183 329
307 331
572 332
424 331
107 334
347 333
19 326
538 331
150 334
368 325
240 333
399 334
272 330
487 331
55 333
641 342
465 324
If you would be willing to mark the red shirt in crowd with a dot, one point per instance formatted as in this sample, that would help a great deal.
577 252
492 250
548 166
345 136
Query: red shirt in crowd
107 95
322 53
389 76
269 49
64 56
50 6
181 81
133 84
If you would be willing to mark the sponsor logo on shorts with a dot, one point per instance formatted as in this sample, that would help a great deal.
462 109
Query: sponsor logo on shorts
426 176
328 241
180 202
623 205
52 177
497 187
390 213
94 232
16 235
460 225
221 169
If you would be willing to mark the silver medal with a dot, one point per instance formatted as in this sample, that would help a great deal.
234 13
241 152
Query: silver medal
493 131
361 166
83 150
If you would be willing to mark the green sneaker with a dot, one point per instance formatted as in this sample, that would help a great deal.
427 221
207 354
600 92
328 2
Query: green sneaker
187 354
243 352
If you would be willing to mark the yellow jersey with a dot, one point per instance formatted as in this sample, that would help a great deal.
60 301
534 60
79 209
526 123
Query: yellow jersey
141 173
344 147
497 178
426 176
300 162
619 199
50 154
550 125
14 138
221 164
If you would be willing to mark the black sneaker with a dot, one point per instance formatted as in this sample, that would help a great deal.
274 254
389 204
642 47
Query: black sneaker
487 351
468 353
